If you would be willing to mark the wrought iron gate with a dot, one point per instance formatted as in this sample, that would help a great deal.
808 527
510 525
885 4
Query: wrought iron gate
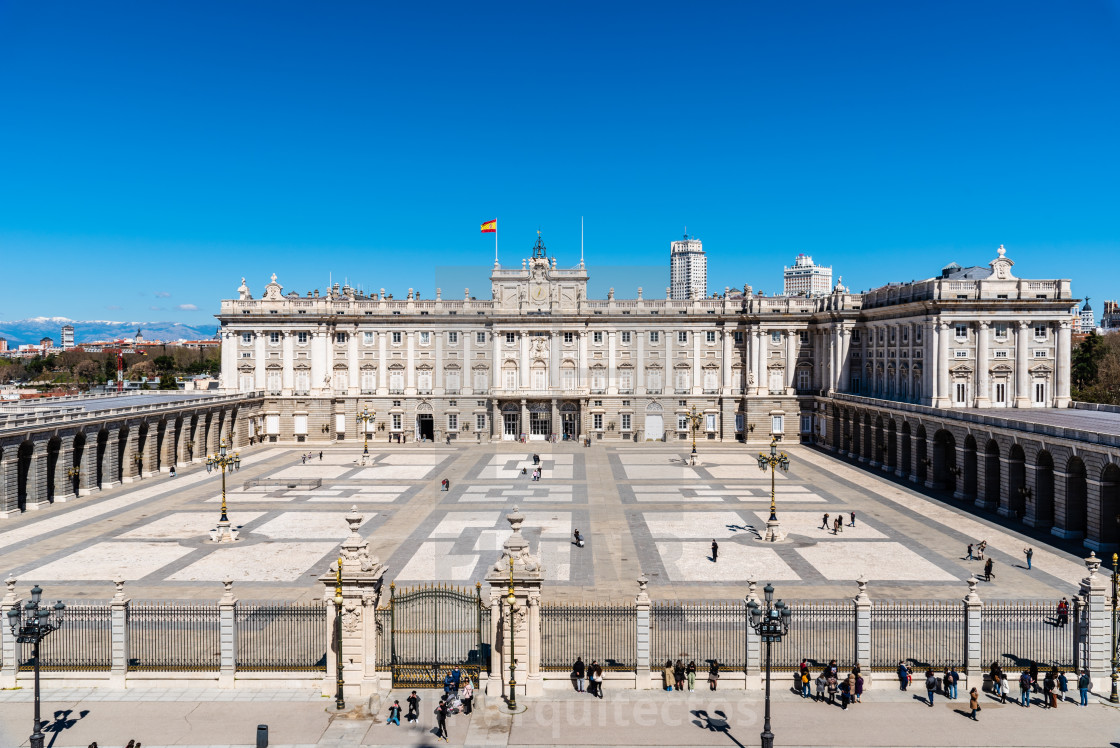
433 630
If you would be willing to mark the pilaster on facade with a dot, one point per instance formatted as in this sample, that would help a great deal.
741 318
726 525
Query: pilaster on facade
9 647
1022 374
1097 631
118 636
862 604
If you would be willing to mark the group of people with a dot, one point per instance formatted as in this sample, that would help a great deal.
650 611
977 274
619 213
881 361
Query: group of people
1053 685
977 554
677 674
837 523
591 675
311 456
458 694
829 684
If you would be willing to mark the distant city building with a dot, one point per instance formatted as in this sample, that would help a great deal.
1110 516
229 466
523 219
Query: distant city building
1110 320
139 339
807 279
46 343
3 345
688 270
67 337
1085 318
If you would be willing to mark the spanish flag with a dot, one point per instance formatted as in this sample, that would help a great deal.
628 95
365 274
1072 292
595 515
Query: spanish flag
490 227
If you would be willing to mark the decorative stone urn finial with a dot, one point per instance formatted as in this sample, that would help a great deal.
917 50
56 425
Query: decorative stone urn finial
11 582
972 582
119 584
1093 564
861 583
227 584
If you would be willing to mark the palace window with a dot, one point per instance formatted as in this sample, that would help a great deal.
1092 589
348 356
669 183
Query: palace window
654 336
369 381
803 379
1039 393
738 336
960 354
597 421
1041 353
396 338
480 338
776 337
246 338
395 419
569 337
479 421
340 337
626 380
425 338
682 336
1000 330
511 338
509 378
1040 331
1000 354
710 336
596 337
301 338
274 338
481 381
452 421
452 337
962 332
960 390
682 422
626 337
367 338
625 421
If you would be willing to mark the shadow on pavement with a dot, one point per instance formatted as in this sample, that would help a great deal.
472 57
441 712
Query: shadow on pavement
715 722
62 721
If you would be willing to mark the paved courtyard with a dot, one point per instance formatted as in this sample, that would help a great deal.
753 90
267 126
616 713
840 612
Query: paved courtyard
642 509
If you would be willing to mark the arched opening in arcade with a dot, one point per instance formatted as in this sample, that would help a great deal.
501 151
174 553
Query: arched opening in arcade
907 451
1110 506
1077 499
892 445
920 453
23 473
122 453
992 477
76 461
968 469
944 460
102 446
54 449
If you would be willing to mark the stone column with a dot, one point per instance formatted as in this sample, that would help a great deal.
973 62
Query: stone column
1022 376
523 361
754 664
213 434
1096 630
64 486
612 364
1061 396
167 449
118 637
982 365
643 679
862 604
845 360
353 373
944 395
148 457
227 636
37 477
362 577
524 425
522 571
259 360
287 358
129 470
9 649
87 475
791 362
109 469
973 632
319 349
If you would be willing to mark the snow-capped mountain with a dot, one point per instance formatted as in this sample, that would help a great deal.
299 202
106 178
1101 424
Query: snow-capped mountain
28 331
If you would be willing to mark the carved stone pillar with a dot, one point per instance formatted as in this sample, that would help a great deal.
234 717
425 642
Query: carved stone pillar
519 572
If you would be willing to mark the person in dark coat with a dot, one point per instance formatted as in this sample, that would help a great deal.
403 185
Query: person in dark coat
715 551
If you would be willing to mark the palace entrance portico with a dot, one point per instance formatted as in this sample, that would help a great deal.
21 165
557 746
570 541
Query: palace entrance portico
539 420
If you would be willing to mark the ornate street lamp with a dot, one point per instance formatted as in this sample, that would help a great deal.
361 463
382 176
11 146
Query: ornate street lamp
364 419
694 421
771 623
339 699
511 598
31 627
773 461
72 473
226 463
1114 697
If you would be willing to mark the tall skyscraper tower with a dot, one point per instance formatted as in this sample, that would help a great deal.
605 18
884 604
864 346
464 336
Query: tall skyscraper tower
805 278
688 273
67 337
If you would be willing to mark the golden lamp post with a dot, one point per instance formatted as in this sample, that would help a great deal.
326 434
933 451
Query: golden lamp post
773 462
511 598
364 419
226 463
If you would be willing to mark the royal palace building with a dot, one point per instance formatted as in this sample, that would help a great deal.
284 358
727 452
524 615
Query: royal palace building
540 360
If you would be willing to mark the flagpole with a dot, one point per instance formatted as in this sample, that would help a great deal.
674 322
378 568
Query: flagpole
495 241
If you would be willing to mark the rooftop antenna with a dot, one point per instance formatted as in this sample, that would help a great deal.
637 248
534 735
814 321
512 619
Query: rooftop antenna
581 241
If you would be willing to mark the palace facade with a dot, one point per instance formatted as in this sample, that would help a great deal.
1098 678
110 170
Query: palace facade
541 360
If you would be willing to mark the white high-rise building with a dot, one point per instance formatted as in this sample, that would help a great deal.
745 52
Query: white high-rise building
1086 322
805 278
67 337
688 270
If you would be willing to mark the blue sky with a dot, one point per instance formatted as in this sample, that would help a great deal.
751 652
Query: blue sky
151 154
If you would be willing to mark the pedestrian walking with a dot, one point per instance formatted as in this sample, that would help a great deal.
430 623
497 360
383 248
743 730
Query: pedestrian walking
970 551
713 675
822 684
833 687
413 707
578 670
394 714
1083 685
1063 686
1025 688
690 675
304 459
983 546
859 688
902 676
536 459
597 676
988 570
441 720
1049 690
840 523
804 680
591 685
931 685
715 551
824 522
667 675
173 471
1034 677
835 525
973 703
997 685
853 516
320 457
466 695
1029 553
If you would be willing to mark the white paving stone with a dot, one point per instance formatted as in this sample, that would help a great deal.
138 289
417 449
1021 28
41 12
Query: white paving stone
310 471
887 561
661 472
556 557
434 561
454 523
183 525
551 524
128 560
307 525
690 561
260 562
431 459
694 524
393 472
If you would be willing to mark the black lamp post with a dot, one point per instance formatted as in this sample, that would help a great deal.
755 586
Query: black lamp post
1114 697
774 461
771 623
31 627
511 598
339 679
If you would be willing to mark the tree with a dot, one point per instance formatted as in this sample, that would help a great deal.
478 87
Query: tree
141 370
1085 360
1104 360
87 371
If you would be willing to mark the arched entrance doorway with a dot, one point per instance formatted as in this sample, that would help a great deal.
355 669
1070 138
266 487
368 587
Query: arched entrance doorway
655 423
1110 507
54 448
969 468
511 422
991 473
907 453
23 473
944 461
1016 481
569 420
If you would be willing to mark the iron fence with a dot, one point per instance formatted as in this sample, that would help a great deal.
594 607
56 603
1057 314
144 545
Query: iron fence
384 621
1017 633
282 637
818 632
701 632
925 634
173 637
605 633
84 642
